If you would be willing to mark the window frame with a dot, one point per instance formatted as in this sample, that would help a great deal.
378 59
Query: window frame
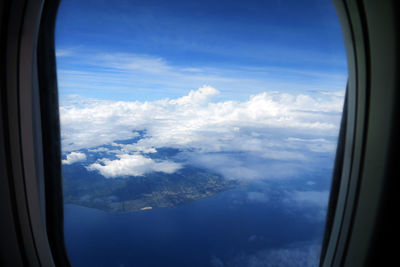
361 201
359 236
26 28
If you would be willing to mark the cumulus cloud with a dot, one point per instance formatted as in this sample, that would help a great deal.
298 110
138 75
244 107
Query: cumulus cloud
202 95
132 165
74 157
212 126
269 126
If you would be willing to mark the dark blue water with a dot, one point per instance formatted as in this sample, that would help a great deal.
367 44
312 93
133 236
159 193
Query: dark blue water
215 231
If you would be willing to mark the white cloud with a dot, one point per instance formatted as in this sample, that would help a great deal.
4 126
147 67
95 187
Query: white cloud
267 126
74 157
99 149
132 165
136 148
200 96
212 126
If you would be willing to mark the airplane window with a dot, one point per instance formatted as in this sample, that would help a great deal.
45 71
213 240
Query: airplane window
198 133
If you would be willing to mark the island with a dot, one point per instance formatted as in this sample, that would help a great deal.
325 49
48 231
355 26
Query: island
139 193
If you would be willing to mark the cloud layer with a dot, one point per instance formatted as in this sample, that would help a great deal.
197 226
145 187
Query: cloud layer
74 157
132 165
234 137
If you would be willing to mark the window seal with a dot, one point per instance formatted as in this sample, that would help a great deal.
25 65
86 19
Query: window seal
49 109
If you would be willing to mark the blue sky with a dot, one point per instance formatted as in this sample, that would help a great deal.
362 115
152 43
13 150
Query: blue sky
148 50
213 79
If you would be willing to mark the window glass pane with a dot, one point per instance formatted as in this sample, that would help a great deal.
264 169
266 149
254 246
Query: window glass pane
198 133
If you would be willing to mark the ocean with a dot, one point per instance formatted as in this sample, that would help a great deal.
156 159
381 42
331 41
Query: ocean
256 224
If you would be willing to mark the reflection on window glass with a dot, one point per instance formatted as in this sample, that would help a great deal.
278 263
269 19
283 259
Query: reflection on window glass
198 133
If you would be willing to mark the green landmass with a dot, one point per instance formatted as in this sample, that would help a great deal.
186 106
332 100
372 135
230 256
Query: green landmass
135 193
